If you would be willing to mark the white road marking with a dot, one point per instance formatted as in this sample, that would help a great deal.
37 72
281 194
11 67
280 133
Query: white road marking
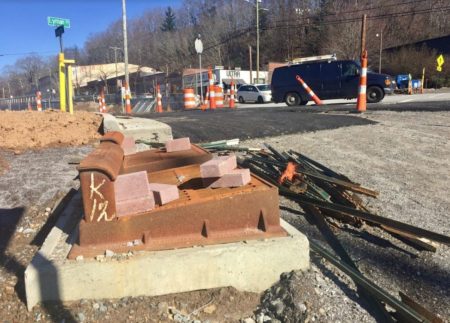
405 100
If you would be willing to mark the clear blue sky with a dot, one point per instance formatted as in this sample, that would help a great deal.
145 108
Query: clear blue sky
23 23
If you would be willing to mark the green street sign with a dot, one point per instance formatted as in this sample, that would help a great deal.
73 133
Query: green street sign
54 21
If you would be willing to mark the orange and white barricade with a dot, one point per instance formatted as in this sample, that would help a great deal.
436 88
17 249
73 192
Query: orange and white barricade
361 103
231 103
219 96
310 92
159 107
189 99
39 100
212 93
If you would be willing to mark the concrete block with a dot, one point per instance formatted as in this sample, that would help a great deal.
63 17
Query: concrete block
251 266
128 146
132 194
235 178
110 123
218 166
179 144
164 193
138 128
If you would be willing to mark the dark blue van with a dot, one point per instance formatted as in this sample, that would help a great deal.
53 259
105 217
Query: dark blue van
333 79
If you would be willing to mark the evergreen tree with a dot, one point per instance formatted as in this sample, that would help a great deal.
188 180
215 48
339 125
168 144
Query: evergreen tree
169 21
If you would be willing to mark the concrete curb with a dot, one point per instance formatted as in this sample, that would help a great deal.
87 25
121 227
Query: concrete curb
42 263
138 128
252 265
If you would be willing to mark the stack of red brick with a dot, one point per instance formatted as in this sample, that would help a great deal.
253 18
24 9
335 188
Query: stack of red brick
222 171
134 193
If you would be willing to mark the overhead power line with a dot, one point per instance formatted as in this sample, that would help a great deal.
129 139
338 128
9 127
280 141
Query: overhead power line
28 53
242 32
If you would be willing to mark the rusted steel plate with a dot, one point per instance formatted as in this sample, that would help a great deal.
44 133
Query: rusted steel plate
107 159
201 216
97 174
158 159
99 170
114 137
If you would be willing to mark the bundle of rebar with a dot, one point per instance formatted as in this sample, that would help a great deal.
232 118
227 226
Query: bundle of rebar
329 197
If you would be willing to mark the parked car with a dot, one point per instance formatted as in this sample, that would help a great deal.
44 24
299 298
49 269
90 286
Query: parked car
332 79
259 93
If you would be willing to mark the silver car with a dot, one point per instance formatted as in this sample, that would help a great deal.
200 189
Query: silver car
259 93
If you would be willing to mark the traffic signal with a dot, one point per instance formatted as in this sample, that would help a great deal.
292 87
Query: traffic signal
59 31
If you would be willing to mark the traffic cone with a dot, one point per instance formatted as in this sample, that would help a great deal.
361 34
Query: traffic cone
159 108
101 102
39 100
212 93
410 89
99 98
308 90
127 99
205 103
231 103
361 103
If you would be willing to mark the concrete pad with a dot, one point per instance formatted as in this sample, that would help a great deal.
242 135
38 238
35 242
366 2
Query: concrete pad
138 128
252 265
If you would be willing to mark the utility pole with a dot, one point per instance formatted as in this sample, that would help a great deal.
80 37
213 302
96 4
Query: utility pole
125 41
363 34
250 63
257 41
115 49
381 49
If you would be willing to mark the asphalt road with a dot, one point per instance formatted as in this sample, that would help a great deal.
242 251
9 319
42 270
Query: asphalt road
429 97
250 123
273 120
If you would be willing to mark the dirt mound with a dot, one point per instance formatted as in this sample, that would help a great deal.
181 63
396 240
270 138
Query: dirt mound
20 130
3 165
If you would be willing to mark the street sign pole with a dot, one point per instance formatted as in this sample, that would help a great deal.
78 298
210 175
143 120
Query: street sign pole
199 49
201 76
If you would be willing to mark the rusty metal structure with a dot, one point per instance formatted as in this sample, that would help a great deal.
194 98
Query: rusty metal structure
201 215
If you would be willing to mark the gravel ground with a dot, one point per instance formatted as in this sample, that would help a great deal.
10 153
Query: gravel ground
404 155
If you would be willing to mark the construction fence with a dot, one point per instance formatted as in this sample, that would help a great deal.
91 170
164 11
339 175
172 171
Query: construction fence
139 103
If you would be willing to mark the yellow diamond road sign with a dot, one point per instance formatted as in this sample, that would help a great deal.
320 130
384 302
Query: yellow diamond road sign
440 61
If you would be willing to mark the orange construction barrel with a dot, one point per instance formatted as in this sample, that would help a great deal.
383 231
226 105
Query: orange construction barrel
189 98
219 96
